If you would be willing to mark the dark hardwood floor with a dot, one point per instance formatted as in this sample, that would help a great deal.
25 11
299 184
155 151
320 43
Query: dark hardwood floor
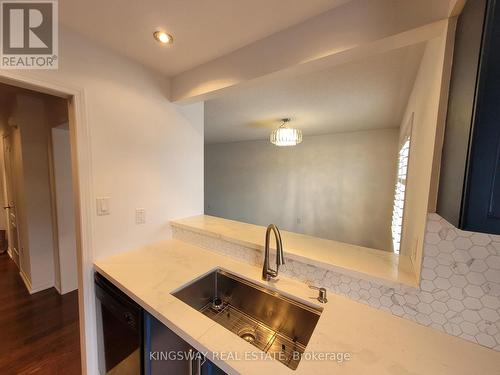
39 333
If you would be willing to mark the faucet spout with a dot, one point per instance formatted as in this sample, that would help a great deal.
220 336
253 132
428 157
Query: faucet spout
267 272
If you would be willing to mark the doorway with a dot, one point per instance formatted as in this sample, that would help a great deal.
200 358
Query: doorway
37 187
84 198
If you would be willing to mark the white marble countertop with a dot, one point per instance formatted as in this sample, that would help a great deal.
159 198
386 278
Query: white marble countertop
337 256
378 342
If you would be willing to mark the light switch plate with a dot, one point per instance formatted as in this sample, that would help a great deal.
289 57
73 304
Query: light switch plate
103 206
140 215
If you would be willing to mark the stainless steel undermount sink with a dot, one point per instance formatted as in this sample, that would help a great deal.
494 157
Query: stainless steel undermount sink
277 325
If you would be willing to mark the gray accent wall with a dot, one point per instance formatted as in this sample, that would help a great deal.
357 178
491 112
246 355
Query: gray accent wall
337 186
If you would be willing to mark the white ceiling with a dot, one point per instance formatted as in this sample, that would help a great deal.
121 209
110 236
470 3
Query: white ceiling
360 95
202 29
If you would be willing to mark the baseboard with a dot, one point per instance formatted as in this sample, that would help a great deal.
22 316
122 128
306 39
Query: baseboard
26 281
58 289
39 288
34 289
68 290
12 252
14 255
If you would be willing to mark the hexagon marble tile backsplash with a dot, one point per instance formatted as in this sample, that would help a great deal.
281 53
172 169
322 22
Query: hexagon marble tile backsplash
459 293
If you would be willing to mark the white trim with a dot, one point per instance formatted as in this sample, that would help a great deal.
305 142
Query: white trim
39 288
29 286
83 182
26 281
15 258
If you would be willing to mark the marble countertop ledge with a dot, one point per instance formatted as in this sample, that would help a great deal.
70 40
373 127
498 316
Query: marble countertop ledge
358 261
378 343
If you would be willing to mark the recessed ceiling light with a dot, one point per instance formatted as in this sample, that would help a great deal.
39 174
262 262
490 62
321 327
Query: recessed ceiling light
163 37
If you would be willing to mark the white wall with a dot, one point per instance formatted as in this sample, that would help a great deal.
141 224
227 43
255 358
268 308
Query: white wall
66 270
146 152
33 194
337 186
424 105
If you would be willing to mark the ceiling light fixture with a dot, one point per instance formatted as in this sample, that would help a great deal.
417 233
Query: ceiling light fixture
285 136
163 37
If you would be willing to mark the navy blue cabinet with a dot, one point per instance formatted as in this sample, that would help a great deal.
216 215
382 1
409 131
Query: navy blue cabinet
469 191
166 353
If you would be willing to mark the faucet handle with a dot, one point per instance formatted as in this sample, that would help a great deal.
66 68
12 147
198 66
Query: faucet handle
322 293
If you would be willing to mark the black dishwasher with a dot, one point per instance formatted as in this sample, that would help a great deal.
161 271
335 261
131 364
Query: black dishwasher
119 330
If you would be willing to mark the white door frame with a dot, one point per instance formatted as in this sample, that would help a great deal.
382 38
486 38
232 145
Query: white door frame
83 190
9 198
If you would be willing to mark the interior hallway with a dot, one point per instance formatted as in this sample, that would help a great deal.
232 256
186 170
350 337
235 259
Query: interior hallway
39 333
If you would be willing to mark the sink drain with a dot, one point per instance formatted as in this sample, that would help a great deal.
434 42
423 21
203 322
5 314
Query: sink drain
247 334
217 304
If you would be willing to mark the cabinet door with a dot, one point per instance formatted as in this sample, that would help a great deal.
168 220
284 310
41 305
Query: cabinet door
167 354
482 211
